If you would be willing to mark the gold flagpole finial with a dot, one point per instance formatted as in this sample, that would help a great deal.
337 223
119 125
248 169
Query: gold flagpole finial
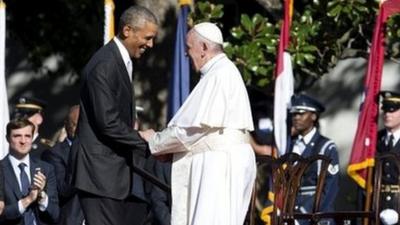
182 2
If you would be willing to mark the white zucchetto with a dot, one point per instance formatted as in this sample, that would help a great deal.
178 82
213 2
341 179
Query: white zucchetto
210 32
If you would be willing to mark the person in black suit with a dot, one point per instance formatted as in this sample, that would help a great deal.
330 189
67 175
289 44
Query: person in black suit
32 109
107 146
388 141
160 200
30 192
71 212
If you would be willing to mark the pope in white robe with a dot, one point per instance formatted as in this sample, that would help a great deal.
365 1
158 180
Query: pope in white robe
213 169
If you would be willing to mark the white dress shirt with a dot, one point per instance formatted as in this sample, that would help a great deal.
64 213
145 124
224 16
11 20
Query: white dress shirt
15 163
125 56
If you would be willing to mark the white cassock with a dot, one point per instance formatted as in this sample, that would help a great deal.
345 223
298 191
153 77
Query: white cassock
214 167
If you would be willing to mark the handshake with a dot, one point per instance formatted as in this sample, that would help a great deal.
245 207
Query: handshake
147 134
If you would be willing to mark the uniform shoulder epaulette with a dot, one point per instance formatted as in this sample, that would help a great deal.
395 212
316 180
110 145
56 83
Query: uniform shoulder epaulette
46 142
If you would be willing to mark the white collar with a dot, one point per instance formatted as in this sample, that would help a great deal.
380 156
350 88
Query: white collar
206 67
396 136
307 138
124 53
15 163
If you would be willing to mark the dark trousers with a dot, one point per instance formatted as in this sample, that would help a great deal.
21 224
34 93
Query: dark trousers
106 211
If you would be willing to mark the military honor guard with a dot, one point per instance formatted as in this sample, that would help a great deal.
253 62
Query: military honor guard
388 141
308 141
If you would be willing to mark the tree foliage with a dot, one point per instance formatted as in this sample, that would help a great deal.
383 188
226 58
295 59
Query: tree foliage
69 29
322 32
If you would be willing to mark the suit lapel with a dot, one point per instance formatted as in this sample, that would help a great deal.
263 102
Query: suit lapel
123 74
124 77
11 178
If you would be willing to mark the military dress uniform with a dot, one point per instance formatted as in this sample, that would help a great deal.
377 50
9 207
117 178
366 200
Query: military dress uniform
309 145
390 188
389 142
318 145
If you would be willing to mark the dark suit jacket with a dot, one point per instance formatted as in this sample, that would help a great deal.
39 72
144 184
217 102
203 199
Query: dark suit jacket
160 200
71 212
106 145
12 194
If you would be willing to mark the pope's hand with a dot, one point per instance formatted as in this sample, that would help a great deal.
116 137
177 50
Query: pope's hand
147 134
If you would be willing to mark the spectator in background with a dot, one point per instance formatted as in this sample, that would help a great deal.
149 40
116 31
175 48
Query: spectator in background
32 109
262 136
388 141
30 189
71 212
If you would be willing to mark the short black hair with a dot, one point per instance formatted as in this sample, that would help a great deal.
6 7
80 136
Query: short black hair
136 16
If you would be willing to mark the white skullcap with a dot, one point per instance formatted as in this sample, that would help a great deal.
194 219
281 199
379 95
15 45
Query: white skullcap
389 217
210 32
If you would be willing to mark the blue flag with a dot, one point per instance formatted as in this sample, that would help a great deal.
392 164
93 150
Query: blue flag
180 82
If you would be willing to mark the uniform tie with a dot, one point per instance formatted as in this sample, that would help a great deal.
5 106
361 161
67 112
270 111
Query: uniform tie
25 184
299 146
390 142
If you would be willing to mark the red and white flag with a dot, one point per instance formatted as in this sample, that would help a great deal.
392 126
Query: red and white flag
284 82
364 145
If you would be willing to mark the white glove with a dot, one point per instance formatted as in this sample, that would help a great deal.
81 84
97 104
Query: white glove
389 217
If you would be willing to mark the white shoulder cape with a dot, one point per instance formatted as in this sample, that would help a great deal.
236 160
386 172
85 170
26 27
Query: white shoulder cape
219 100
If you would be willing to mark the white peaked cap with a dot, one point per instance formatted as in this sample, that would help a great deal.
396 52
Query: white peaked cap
210 32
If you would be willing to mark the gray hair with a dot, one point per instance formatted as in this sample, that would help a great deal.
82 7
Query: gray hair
214 47
135 17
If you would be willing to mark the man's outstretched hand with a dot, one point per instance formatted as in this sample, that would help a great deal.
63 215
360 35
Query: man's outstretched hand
147 134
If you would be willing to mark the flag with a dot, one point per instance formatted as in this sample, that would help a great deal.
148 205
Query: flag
4 113
364 144
108 20
180 82
283 82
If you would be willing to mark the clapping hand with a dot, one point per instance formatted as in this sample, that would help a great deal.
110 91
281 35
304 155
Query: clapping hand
147 134
39 181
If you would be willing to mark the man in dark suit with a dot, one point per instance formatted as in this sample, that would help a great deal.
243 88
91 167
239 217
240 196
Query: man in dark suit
106 145
388 141
30 193
32 109
71 212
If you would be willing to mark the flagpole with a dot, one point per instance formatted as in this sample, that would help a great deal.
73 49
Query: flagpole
4 112
109 7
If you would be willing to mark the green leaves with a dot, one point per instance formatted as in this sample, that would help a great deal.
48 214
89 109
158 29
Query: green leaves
322 32
252 48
